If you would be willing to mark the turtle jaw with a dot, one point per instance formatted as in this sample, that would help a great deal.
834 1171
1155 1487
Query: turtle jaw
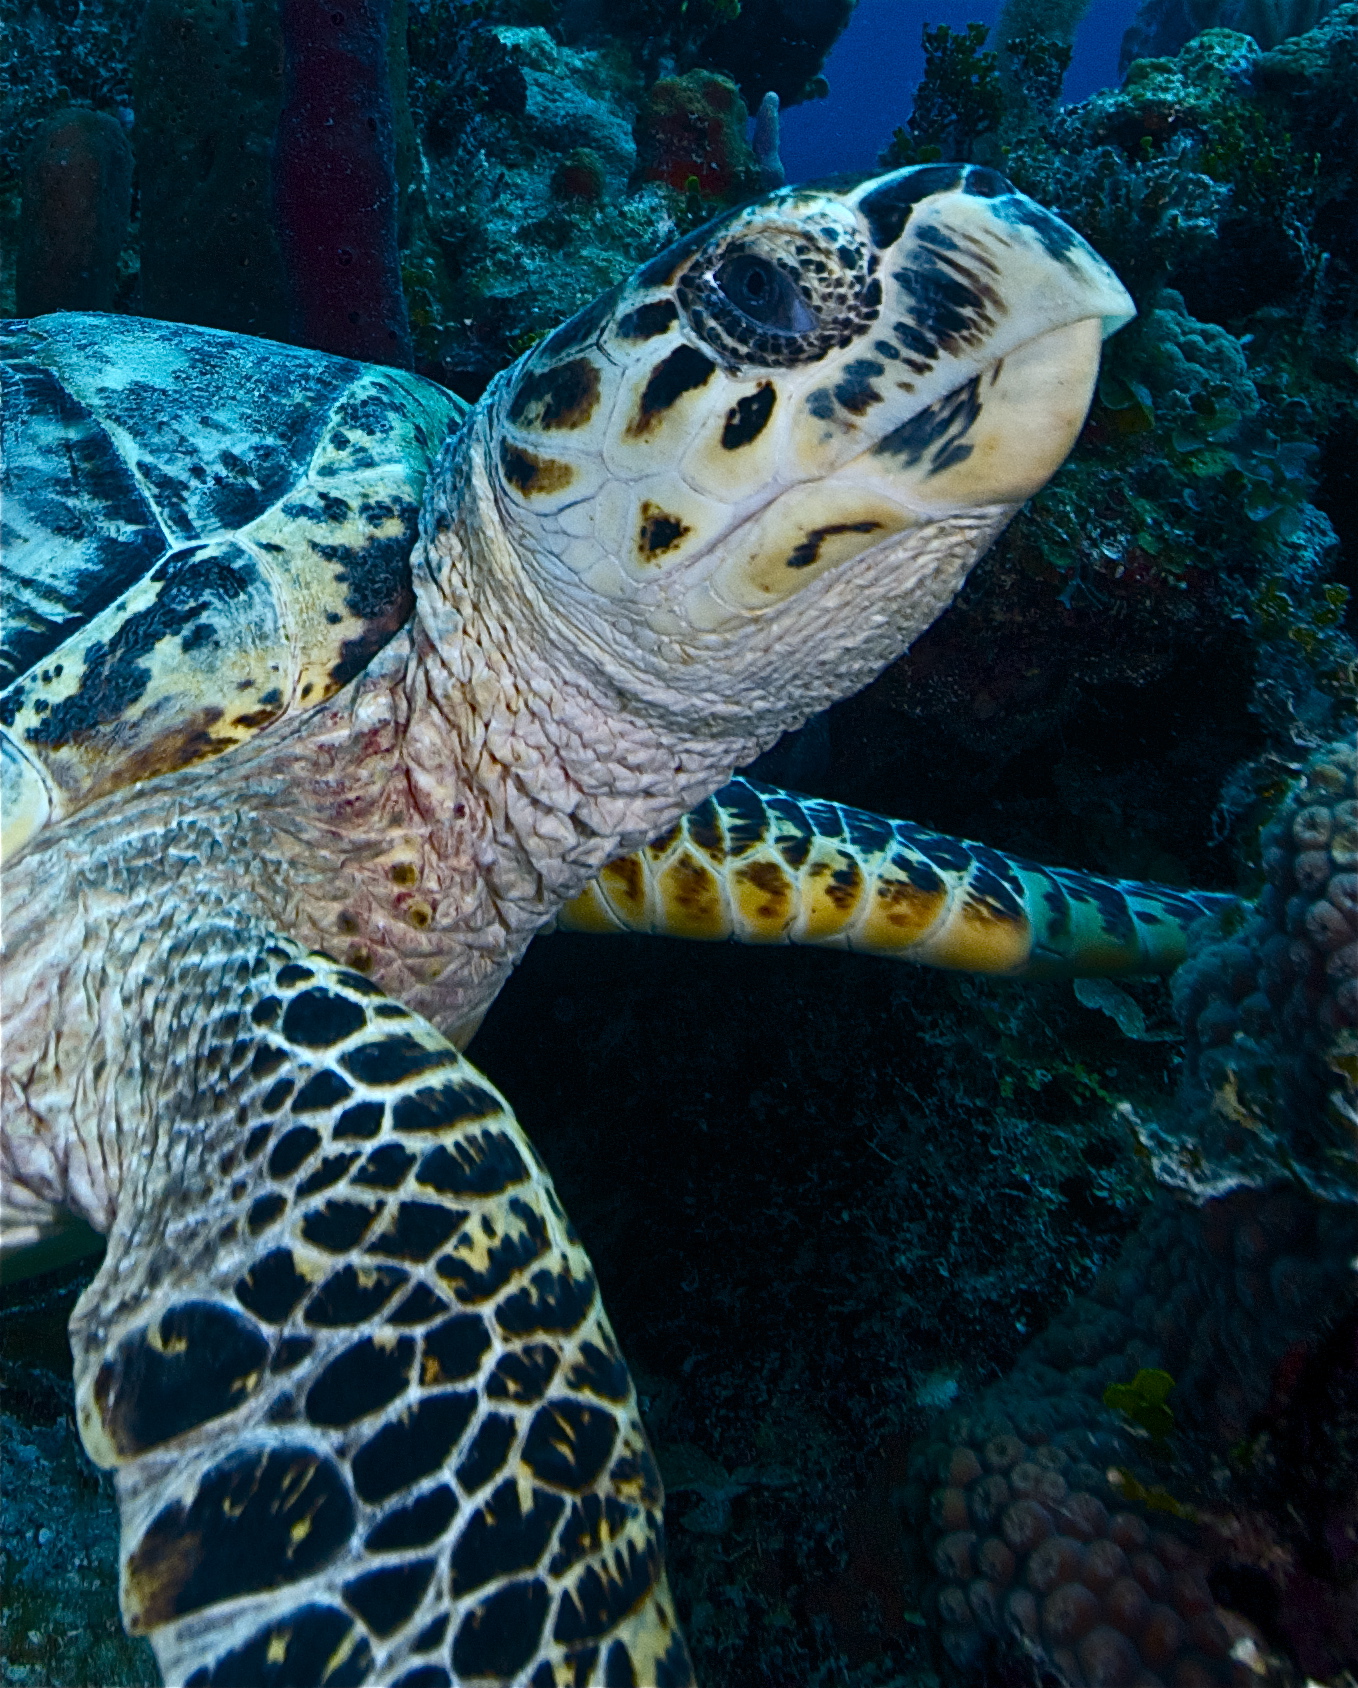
988 445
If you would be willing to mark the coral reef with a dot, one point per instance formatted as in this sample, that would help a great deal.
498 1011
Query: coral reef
1270 1080
1163 27
1039 1501
691 135
77 196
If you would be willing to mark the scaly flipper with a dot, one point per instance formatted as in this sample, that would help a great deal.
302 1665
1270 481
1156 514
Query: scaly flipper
349 1358
763 866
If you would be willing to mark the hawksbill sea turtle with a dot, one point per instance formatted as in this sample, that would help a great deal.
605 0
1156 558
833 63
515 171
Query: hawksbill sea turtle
325 693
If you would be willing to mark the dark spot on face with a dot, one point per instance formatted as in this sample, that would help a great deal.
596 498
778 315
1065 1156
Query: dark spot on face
201 1360
808 551
488 1452
563 397
412 1446
888 207
568 1443
1056 239
938 429
683 371
318 1019
266 1011
855 390
647 321
948 303
416 1525
360 1381
748 416
987 184
385 1599
238 1535
659 531
532 474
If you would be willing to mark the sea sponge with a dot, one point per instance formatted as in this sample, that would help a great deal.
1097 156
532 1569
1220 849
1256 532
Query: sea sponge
77 196
691 135
580 177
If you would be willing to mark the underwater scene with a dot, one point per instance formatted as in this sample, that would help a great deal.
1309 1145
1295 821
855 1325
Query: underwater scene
780 573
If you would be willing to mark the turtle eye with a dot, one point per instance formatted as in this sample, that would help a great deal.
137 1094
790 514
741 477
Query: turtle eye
761 291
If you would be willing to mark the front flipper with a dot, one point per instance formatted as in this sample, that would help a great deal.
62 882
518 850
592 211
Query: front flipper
764 866
349 1358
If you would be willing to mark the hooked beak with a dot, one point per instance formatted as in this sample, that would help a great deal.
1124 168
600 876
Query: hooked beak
969 395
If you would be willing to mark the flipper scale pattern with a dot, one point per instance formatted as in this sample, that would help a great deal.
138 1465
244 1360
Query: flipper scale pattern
370 1423
755 864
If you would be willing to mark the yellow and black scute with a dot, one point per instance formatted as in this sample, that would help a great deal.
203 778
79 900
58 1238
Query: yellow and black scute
202 533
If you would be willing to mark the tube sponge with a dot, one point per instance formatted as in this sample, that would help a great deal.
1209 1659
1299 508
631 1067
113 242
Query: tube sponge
77 196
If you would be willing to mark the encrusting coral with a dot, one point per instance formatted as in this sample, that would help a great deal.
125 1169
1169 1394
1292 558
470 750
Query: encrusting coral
1056 1519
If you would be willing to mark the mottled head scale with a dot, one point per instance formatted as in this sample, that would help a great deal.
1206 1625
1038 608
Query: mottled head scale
791 433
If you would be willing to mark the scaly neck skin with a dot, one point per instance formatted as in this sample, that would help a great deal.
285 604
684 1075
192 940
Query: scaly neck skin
578 747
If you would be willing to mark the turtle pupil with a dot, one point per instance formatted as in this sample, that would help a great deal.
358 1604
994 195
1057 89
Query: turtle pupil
759 290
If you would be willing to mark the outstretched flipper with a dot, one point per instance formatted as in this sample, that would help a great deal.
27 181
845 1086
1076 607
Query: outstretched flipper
763 866
349 1358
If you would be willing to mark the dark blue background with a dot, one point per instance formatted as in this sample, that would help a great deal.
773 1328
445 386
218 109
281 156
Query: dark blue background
875 64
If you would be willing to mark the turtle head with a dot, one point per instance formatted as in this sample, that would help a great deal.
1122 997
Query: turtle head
771 455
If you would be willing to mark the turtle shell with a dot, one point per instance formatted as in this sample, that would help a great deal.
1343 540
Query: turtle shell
202 533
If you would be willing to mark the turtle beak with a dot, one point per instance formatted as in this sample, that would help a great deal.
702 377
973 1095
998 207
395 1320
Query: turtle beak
967 394
986 346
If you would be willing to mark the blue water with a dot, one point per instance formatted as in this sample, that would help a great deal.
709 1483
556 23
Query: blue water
874 66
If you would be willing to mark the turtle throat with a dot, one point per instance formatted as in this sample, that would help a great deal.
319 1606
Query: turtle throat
577 754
